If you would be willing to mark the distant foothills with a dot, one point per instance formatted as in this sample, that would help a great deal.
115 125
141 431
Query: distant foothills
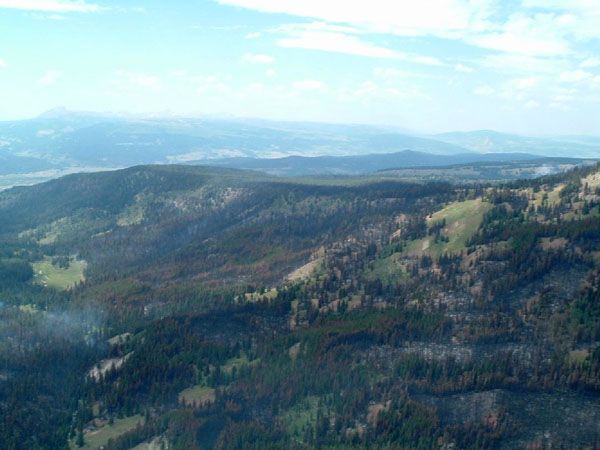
62 141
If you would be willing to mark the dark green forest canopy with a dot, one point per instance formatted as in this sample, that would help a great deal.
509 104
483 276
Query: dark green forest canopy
195 307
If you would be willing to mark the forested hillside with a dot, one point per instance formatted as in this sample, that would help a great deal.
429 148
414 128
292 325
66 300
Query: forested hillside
189 307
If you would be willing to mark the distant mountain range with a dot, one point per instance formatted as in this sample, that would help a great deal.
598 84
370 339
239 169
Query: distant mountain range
80 139
62 140
363 164
487 141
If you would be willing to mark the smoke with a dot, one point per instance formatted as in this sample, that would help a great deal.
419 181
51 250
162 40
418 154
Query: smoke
26 328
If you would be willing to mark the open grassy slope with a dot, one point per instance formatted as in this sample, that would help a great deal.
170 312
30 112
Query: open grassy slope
462 220
53 276
96 439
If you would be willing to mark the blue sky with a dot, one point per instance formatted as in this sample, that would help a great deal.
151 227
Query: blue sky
529 66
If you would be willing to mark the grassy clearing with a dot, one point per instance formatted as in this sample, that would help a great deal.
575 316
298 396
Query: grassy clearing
546 197
197 395
49 275
462 220
119 339
257 296
308 269
103 366
554 195
49 234
46 234
577 357
553 244
297 418
389 270
157 443
304 271
98 438
28 309
132 215
50 238
236 363
592 180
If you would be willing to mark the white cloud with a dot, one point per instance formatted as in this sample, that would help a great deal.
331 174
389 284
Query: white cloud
531 104
519 63
383 90
224 27
338 43
202 83
50 77
63 6
254 58
462 68
537 35
293 28
135 79
484 90
308 85
367 88
564 95
585 15
519 90
560 106
537 29
253 35
421 59
338 39
590 62
427 17
270 73
392 72
50 16
256 87
526 83
575 76
2 63
528 42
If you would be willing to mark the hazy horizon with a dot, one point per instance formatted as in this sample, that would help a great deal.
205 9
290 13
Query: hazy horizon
525 67
166 115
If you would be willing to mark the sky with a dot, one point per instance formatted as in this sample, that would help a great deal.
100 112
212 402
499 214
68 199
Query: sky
527 66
